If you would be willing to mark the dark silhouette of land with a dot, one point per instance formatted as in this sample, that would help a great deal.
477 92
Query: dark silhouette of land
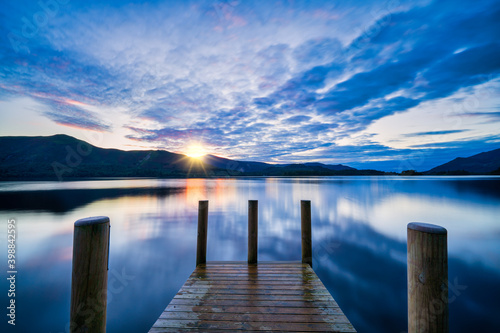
483 163
61 157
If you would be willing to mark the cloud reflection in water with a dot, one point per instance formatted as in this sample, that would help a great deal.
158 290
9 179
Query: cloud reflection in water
359 241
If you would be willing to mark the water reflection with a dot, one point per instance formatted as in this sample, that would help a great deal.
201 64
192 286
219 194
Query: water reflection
359 241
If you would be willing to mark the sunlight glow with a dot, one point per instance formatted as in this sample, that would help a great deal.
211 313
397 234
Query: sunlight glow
195 150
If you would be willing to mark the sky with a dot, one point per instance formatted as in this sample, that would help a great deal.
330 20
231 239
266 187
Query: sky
391 85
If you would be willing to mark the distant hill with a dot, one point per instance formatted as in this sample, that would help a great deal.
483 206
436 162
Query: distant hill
483 163
62 156
335 167
233 166
260 168
317 169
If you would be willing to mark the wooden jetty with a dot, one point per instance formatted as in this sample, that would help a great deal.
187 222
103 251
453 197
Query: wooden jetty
268 296
253 296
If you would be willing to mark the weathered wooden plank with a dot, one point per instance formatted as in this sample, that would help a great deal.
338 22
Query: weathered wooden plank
262 279
297 318
253 292
251 302
257 326
255 266
216 277
250 297
249 285
262 263
305 286
253 272
265 264
220 277
295 282
250 271
250 309
199 330
250 268
255 275
261 266
272 297
202 330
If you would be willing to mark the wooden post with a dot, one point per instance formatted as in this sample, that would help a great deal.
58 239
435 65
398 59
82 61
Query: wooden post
89 280
305 213
201 245
427 278
253 221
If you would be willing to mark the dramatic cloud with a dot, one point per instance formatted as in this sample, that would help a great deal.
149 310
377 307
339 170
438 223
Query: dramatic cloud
435 133
272 81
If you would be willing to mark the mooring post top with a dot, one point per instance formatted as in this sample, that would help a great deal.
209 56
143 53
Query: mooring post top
91 221
427 227
305 201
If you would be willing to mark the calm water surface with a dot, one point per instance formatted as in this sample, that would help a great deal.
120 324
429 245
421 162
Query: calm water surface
359 242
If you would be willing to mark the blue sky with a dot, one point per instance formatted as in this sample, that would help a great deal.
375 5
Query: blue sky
391 85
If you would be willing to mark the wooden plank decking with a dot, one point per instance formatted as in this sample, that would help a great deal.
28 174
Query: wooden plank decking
237 296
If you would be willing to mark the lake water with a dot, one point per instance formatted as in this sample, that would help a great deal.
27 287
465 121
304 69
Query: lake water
358 230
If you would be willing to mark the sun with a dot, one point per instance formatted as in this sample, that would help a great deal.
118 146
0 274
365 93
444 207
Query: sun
195 150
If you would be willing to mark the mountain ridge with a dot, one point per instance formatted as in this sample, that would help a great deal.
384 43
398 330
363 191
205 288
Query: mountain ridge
482 163
62 157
